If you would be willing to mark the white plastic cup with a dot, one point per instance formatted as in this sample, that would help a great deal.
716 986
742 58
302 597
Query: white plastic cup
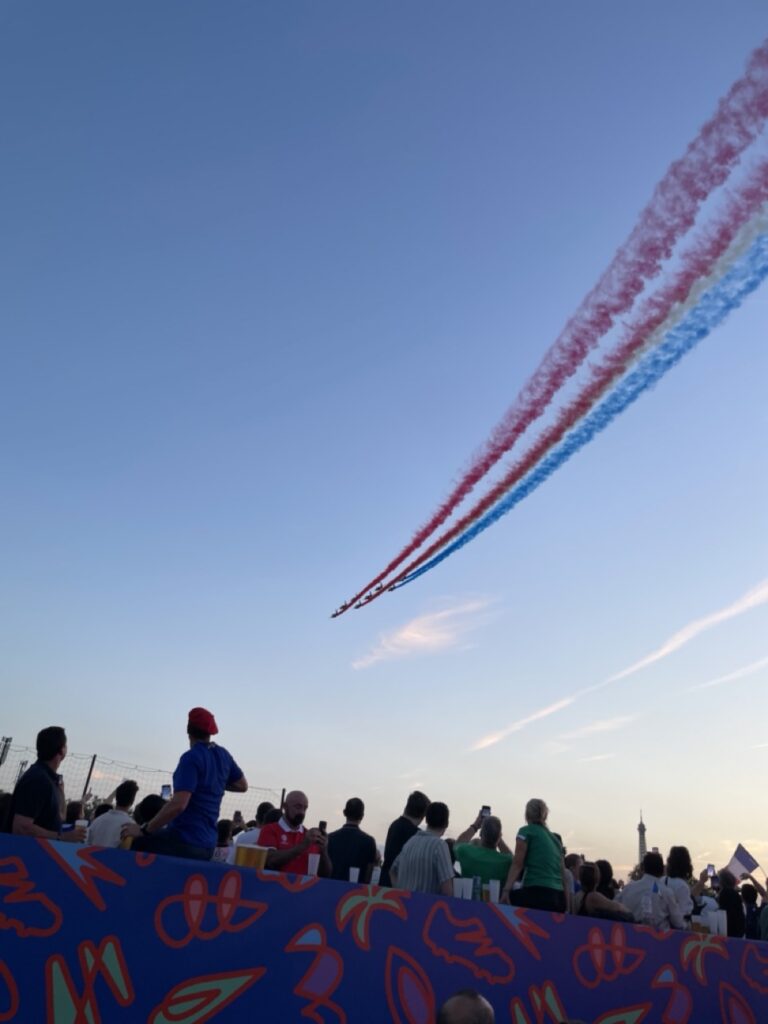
375 876
354 874
466 888
494 890
458 888
313 863
83 823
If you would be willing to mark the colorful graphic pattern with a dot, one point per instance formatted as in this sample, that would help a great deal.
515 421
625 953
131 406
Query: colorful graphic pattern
91 935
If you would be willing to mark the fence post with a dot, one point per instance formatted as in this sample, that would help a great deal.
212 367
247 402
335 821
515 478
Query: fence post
88 779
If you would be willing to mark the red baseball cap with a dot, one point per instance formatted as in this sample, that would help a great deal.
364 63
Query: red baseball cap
203 720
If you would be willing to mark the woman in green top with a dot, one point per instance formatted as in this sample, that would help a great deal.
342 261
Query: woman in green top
538 862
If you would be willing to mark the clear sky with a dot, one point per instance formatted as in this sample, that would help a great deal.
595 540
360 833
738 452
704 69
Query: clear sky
270 274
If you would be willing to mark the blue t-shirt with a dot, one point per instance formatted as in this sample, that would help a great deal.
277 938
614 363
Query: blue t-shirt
205 771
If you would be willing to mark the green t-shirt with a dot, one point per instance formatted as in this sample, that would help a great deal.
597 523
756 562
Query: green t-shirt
479 860
543 858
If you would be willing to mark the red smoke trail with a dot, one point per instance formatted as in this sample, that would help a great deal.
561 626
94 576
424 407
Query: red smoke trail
672 210
698 262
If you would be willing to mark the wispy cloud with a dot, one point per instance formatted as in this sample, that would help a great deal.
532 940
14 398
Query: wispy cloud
752 599
747 670
604 725
596 757
427 634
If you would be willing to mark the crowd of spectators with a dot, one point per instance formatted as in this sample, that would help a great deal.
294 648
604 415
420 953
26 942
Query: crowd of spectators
536 872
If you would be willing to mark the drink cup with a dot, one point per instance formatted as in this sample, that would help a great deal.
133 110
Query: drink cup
313 863
354 874
458 889
466 888
494 890
247 856
83 823
375 876
486 893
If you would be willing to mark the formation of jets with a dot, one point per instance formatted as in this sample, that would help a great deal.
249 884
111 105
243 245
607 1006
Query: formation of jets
364 601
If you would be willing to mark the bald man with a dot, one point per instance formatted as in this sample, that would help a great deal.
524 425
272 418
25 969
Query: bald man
291 844
466 1007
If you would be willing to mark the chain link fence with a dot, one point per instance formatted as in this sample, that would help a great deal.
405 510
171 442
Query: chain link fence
95 778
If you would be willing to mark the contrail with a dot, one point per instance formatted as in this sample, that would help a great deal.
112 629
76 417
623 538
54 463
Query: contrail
706 164
714 306
740 673
727 238
752 599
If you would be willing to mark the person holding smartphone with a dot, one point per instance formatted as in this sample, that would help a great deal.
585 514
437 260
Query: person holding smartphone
290 843
37 805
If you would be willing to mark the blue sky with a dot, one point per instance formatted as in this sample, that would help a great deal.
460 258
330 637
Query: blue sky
271 276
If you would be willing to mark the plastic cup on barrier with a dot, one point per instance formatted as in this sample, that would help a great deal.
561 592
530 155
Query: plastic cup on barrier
354 874
458 889
466 888
375 876
247 856
313 863
494 890
84 824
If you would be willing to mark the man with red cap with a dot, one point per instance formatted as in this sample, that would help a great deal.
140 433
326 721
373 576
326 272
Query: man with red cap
186 825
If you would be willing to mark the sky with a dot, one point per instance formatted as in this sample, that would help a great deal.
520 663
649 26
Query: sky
271 274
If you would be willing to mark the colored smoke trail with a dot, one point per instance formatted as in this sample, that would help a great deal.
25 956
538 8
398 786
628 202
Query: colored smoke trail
739 118
715 305
716 248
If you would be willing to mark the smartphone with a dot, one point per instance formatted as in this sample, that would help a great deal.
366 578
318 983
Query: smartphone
323 826
485 811
165 792
711 870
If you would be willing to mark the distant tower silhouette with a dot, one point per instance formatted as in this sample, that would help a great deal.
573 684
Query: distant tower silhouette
642 849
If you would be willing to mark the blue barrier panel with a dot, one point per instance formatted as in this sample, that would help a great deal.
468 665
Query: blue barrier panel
90 935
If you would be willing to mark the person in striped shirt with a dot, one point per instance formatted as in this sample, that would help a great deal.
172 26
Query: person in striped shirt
424 864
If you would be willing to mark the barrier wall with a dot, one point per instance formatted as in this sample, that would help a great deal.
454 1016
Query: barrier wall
90 935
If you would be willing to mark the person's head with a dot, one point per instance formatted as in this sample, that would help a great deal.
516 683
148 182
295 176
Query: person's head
749 894
589 877
273 816
101 809
223 832
125 794
573 862
536 812
262 811
727 879
295 808
201 725
466 1007
437 817
75 811
52 744
147 808
416 806
606 872
653 864
354 810
490 832
679 863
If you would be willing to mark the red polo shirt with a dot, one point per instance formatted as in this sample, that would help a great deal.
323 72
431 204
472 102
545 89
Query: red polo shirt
280 836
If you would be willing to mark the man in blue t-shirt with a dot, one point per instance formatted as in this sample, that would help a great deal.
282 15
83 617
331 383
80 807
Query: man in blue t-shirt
186 825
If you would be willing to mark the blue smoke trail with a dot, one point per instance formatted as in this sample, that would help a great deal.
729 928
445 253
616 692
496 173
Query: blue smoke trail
713 307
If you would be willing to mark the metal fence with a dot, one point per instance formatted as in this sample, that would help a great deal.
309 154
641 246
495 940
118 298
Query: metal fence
94 777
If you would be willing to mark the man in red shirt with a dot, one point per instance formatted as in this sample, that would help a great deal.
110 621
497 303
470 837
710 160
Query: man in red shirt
291 844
